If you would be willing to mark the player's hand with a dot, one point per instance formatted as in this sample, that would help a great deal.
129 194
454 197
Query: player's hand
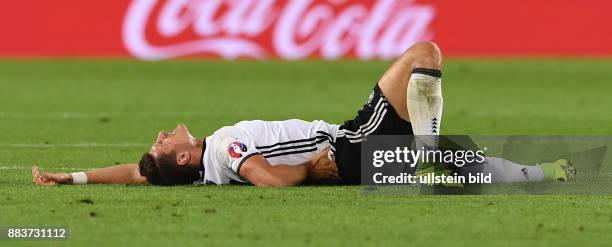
50 178
322 168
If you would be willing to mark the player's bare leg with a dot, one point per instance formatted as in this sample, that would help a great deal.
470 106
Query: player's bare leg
412 86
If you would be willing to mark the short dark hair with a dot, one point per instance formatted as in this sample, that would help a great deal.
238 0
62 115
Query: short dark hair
164 170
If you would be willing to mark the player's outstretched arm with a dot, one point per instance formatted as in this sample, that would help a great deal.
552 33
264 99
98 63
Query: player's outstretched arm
119 174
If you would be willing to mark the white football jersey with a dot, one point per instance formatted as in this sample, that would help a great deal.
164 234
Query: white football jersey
289 142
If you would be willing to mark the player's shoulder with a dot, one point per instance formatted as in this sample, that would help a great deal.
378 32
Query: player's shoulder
225 130
278 123
238 128
223 137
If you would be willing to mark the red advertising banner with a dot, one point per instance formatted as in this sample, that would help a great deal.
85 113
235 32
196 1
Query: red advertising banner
328 29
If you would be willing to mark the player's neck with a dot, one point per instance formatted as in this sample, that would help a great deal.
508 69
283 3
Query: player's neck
196 152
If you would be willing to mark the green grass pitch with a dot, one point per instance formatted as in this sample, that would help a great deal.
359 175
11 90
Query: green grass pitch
75 114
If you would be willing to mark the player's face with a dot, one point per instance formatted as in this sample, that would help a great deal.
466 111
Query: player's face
174 140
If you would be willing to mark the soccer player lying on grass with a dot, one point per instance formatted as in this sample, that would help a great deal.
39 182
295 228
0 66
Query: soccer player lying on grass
407 100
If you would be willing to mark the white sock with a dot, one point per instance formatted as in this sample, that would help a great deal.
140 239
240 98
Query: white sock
425 105
505 171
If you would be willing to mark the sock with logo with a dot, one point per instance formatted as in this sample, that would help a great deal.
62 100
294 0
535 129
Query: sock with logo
425 105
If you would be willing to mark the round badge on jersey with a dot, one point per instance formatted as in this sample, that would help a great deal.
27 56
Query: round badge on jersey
236 149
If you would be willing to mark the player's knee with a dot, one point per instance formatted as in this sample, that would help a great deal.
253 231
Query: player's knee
426 55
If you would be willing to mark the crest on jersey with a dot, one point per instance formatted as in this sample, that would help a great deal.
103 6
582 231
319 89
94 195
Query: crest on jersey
236 149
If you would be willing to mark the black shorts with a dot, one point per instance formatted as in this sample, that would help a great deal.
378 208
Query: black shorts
376 118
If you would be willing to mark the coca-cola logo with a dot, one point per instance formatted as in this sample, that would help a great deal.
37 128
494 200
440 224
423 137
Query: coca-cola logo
161 29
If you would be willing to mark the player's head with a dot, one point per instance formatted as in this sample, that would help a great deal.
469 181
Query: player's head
168 160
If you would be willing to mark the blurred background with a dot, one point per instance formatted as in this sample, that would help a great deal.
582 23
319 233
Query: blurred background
319 29
511 67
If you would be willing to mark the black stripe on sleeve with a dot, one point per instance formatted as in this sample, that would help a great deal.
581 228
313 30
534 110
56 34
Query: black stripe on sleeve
325 133
330 138
295 147
291 152
285 143
243 160
296 141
